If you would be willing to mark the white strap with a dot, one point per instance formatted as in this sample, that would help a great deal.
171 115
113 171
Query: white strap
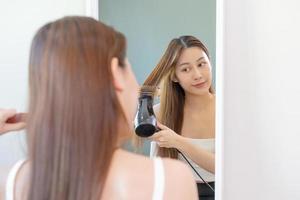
10 182
159 179
153 149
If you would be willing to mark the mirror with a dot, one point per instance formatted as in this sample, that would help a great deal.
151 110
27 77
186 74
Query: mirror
150 26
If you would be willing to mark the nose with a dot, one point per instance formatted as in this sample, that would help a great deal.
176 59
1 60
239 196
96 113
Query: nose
197 74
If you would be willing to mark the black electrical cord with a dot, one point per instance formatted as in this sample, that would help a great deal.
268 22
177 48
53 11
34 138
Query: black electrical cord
195 170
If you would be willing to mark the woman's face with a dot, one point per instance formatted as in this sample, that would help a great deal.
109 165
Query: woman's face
193 71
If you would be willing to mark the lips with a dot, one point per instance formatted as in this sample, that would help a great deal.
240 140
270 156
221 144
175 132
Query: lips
199 85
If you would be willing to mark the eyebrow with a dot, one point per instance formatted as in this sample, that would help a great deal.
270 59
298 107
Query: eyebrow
186 63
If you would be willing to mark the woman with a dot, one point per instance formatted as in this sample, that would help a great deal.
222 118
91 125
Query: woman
83 97
187 108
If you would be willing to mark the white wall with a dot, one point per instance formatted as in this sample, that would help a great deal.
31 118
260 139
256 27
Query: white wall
261 100
18 22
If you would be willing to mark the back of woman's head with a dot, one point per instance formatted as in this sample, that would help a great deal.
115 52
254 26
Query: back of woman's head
172 96
73 109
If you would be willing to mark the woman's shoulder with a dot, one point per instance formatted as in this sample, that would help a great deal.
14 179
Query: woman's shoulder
130 165
171 166
177 170
173 170
185 188
135 174
177 177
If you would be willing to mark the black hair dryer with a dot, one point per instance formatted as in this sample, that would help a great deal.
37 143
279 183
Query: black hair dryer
145 121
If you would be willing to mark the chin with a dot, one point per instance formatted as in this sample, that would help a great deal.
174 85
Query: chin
203 91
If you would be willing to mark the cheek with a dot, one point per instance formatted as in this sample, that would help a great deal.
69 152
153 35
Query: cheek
185 86
134 94
208 74
134 100
134 86
184 80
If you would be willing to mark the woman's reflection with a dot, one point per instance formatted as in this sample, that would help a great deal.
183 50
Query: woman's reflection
187 108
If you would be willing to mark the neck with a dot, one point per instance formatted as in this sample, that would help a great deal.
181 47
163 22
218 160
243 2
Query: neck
125 132
198 102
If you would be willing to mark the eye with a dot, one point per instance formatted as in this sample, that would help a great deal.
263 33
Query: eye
185 69
201 64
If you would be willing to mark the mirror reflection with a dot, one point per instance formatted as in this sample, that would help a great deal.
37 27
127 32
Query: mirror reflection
171 46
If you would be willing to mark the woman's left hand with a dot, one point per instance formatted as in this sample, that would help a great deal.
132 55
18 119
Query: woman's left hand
166 137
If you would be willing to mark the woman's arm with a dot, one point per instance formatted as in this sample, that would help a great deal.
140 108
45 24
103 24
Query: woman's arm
200 156
180 183
169 139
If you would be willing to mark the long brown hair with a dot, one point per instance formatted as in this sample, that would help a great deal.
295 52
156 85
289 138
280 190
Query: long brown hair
73 109
172 96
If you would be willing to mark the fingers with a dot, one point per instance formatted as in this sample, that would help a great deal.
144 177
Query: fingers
14 127
155 136
11 121
161 126
163 144
160 138
6 114
19 117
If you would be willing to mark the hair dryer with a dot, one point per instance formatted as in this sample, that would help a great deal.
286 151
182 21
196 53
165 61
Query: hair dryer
145 121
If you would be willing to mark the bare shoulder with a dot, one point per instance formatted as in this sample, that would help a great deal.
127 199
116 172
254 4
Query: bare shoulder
179 178
178 170
137 173
179 181
126 155
133 172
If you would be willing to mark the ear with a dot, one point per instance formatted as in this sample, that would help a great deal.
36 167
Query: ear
174 78
118 74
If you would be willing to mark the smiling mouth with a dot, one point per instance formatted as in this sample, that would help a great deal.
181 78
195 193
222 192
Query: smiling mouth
199 85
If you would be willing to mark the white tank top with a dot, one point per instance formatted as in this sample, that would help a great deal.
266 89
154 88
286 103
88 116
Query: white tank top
207 144
159 179
10 182
158 191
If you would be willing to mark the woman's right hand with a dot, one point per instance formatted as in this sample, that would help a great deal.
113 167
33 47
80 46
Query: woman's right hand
10 120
